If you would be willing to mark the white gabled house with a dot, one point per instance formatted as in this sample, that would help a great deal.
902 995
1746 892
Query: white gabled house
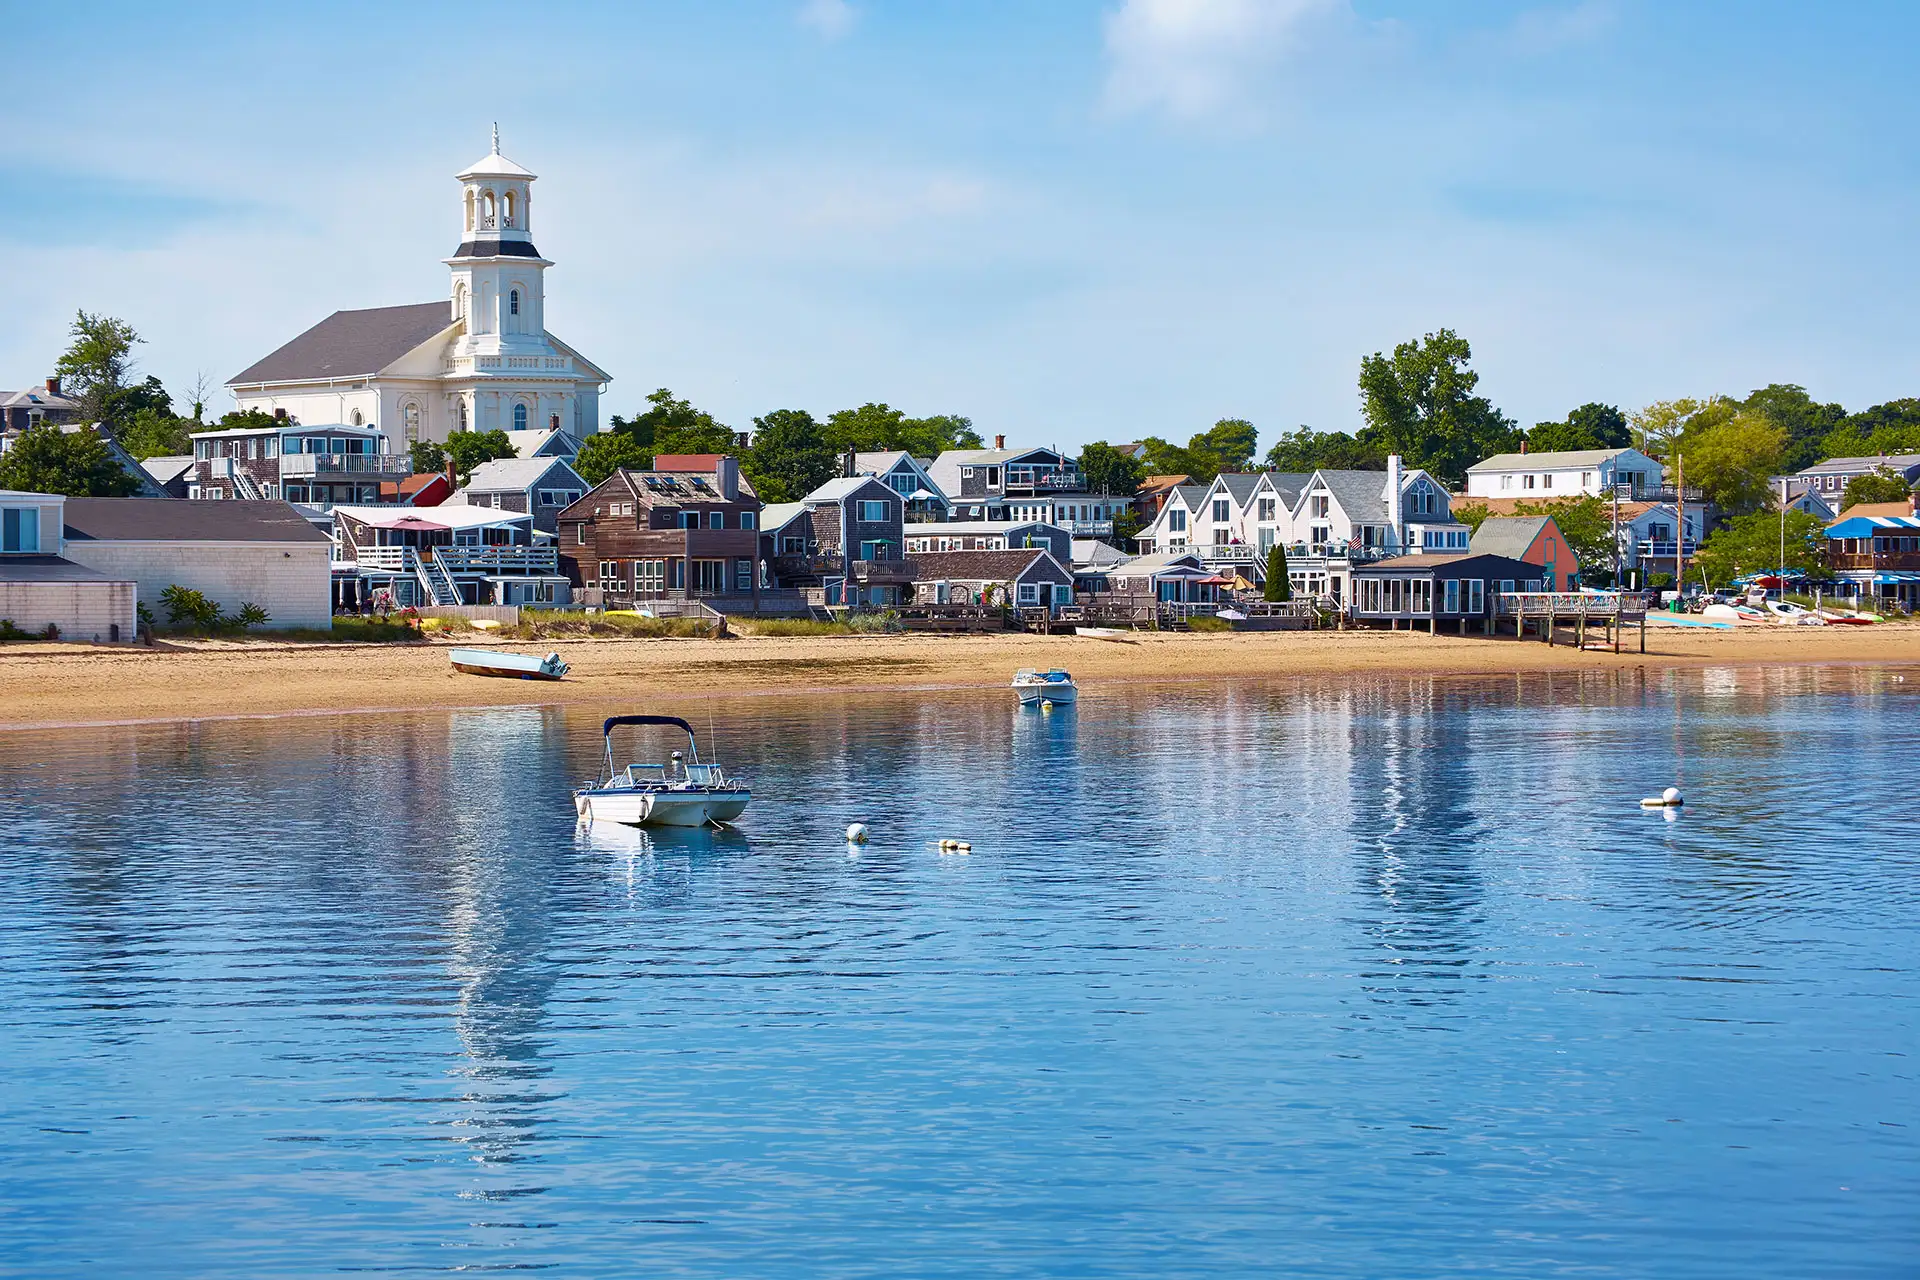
1178 522
1344 517
1564 475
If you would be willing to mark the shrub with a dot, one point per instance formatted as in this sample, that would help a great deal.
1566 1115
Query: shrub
790 627
250 616
875 620
189 608
10 632
1203 623
144 615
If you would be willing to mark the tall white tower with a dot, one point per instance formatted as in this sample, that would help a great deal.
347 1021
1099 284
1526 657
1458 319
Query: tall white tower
499 284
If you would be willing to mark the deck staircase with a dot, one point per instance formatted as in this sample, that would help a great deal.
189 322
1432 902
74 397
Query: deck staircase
436 580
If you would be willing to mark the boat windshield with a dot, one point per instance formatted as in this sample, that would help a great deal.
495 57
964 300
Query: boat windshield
1059 677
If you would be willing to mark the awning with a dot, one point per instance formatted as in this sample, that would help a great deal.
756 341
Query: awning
415 523
921 495
1895 579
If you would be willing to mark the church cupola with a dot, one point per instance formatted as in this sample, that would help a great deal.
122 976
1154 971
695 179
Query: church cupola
496 208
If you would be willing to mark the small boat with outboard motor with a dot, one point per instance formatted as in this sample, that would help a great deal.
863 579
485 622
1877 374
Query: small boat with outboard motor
1049 687
509 666
683 792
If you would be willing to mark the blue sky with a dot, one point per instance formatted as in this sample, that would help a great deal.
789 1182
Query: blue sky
1070 220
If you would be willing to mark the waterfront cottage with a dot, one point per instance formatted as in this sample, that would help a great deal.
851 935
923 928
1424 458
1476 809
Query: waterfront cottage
1534 539
452 554
1565 474
908 477
991 535
689 529
234 553
1027 578
1878 556
845 539
540 486
1438 590
1042 485
41 588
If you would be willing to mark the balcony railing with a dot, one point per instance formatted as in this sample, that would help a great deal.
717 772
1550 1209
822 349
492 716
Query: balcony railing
1236 552
1353 553
500 559
1655 548
1035 479
1876 559
352 464
1087 528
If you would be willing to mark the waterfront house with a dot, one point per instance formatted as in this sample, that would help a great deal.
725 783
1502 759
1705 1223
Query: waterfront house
1830 478
264 553
1565 474
22 410
317 466
452 554
1240 518
540 486
1092 561
1650 533
846 539
921 497
1878 556
1153 495
40 587
1027 578
689 529
1535 539
1349 518
1024 484
1168 578
1177 522
1435 590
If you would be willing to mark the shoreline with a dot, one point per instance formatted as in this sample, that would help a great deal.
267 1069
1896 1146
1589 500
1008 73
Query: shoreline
63 686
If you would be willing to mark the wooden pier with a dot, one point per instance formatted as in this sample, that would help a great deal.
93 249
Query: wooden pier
1579 610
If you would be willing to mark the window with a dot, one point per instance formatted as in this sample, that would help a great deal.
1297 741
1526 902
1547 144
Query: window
580 534
1266 508
793 545
1317 506
519 417
689 519
358 421
993 477
677 574
1176 520
873 512
513 299
1062 593
553 422
1222 511
611 578
1546 480
747 520
558 497
1506 586
509 212
462 414
716 519
1476 596
1526 481
1506 482
743 576
1029 593
710 577
1450 596
650 576
20 529
1422 595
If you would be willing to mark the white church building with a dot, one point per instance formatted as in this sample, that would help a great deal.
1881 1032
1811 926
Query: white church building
480 360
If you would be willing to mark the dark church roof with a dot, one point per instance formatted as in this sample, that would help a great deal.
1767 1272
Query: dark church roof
351 344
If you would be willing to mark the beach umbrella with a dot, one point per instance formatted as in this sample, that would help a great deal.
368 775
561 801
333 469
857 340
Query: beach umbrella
416 523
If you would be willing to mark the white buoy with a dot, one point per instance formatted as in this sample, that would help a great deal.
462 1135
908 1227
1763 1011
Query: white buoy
857 833
1668 799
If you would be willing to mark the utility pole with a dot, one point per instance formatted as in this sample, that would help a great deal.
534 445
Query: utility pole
1783 537
1680 526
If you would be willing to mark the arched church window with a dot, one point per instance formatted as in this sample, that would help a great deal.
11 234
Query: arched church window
411 416
519 417
463 414
460 302
469 210
509 208
513 303
358 421
486 212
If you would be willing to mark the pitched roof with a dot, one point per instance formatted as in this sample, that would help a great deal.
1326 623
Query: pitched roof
1892 462
1877 509
351 344
456 515
977 566
1239 485
1545 461
688 463
546 442
1289 483
1441 560
1095 552
177 520
1147 566
167 468
949 528
51 569
840 488
1508 535
515 475
659 488
1361 494
779 515
1164 482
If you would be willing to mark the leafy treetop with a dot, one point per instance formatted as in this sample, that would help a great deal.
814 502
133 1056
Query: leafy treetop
1420 403
46 459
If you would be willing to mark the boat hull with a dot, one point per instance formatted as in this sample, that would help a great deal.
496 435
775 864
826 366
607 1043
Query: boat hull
631 808
1032 695
475 669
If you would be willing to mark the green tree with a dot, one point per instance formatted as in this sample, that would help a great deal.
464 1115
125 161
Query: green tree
1731 461
605 452
1660 424
96 361
932 436
1560 437
424 456
669 422
1104 469
45 459
1751 544
1279 586
1604 423
1230 442
1882 484
875 427
155 435
1471 514
248 420
790 457
1306 451
468 449
1806 422
1164 458
121 406
1420 403
1893 427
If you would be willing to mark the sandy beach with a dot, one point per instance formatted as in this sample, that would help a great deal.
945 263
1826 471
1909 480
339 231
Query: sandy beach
45 685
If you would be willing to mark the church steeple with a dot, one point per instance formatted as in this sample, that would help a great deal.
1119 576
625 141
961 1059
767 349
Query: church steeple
498 276
495 208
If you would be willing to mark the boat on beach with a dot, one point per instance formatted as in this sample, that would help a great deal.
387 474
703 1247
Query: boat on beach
508 666
1036 687
683 792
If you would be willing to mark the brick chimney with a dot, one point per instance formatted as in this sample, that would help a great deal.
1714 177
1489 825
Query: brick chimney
280 415
847 465
999 442
1523 446
726 476
53 386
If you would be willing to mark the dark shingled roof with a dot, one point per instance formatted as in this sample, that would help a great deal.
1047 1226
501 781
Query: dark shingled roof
48 569
351 344
981 566
177 520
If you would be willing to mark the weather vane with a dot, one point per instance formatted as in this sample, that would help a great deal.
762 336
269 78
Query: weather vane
496 137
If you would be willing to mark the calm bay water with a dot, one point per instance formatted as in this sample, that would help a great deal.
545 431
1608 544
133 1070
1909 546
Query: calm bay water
1373 978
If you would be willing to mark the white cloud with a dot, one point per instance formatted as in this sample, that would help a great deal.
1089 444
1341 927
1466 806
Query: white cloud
830 18
1199 58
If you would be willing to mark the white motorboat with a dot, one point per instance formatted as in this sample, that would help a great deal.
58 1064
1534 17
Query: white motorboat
1035 687
511 666
683 792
